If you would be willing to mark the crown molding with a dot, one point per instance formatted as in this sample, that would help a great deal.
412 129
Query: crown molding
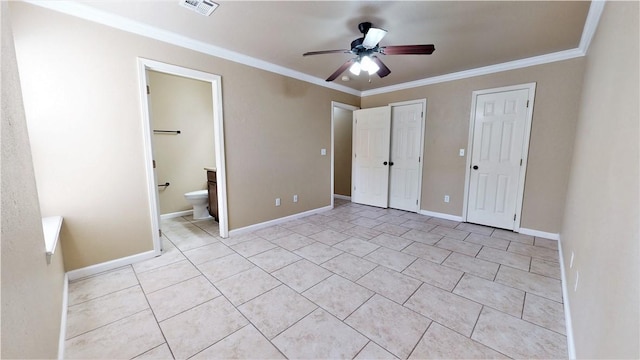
591 24
491 69
115 21
121 23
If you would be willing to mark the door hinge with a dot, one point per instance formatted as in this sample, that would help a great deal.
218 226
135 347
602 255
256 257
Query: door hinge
419 157
422 114
514 217
354 188
148 90
154 163
520 162
416 201
527 103
160 232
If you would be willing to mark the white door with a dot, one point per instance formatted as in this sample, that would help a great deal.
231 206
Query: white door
499 128
371 133
155 170
406 144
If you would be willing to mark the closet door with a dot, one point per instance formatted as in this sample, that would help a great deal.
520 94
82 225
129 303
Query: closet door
371 136
406 152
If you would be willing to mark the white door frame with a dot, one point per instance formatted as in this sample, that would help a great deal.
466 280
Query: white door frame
525 151
423 131
335 104
147 134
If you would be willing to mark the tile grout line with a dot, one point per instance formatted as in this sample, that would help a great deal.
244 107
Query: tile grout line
154 316
249 322
103 295
106 324
351 210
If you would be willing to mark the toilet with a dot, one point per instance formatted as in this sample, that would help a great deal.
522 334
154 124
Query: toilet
199 199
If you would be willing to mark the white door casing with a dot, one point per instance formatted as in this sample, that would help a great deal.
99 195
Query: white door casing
499 142
371 136
407 127
216 87
153 155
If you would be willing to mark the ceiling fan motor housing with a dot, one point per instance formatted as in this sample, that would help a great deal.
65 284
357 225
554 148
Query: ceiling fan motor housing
364 27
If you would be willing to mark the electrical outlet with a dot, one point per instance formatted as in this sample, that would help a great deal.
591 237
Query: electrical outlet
295 198
323 152
277 201
446 198
461 152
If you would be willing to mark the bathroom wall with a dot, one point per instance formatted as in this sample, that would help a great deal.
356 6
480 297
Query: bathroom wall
342 134
32 290
552 134
82 102
179 103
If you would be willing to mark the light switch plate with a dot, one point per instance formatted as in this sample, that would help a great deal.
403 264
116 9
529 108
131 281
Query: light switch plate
461 152
323 151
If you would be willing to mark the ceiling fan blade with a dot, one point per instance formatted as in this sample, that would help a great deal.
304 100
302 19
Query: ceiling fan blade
408 49
373 37
384 70
326 52
341 69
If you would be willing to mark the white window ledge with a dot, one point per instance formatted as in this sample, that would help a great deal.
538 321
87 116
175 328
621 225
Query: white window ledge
51 226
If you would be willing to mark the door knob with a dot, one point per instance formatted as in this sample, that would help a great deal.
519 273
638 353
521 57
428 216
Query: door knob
384 163
475 167
391 163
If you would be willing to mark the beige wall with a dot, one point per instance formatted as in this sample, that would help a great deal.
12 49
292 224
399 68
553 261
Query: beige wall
179 103
552 134
601 217
31 288
342 136
81 91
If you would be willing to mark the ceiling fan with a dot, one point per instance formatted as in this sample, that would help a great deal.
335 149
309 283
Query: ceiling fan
366 47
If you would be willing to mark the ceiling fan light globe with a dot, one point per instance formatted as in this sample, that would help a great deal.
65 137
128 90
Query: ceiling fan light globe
355 68
368 65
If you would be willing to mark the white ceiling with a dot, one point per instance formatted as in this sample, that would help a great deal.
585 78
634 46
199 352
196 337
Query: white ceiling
466 34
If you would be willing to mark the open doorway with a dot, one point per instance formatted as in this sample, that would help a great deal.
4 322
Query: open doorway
145 67
341 138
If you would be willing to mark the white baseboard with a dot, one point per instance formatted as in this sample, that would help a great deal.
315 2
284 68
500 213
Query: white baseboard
110 265
524 231
176 214
440 215
571 346
63 318
542 234
281 220
343 197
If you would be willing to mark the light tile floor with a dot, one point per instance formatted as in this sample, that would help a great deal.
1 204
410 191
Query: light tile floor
353 282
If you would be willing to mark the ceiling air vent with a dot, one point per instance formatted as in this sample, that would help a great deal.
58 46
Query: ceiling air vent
203 7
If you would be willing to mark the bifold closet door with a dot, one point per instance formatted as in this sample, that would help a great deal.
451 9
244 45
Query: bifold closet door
371 137
406 144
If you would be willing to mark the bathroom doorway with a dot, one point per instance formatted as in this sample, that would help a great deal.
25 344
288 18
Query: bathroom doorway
341 134
153 73
181 113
